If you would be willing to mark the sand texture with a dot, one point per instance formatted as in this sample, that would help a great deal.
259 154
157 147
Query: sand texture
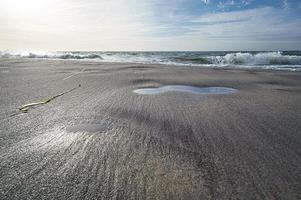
103 141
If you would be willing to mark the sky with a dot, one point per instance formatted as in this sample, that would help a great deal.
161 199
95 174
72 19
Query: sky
150 25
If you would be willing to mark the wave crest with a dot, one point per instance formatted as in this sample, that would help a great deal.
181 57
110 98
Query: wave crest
270 60
49 55
267 58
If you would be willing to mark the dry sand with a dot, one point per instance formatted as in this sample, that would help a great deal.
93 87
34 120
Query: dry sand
102 141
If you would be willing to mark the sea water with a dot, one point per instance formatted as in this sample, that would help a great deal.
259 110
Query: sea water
281 60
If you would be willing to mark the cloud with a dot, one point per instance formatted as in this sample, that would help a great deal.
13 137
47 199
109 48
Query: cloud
245 2
206 1
286 4
222 5
254 24
146 25
265 28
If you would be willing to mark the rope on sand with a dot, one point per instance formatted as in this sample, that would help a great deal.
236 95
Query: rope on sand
26 107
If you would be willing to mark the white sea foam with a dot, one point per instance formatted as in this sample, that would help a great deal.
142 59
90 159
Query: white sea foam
48 55
266 60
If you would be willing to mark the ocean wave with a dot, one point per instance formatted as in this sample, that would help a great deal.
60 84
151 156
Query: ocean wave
193 60
266 60
49 55
259 59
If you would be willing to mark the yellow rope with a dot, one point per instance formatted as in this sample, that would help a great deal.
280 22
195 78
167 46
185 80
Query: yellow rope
26 107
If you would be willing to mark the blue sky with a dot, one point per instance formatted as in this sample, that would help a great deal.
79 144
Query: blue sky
150 24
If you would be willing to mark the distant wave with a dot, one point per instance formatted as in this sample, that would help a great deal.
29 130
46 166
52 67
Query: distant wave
269 60
49 55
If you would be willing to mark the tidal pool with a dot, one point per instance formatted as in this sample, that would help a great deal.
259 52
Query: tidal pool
185 88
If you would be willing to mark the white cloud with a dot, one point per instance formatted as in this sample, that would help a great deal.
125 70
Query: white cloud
245 2
257 23
147 25
286 4
206 1
69 24
222 5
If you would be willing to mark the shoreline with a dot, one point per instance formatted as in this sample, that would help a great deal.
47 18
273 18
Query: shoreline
225 67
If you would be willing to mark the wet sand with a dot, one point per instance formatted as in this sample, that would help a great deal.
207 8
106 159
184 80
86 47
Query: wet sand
103 141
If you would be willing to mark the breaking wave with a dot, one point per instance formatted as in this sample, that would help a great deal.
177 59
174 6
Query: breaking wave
289 60
49 55
267 58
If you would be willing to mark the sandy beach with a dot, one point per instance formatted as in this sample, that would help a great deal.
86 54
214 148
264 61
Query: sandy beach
103 141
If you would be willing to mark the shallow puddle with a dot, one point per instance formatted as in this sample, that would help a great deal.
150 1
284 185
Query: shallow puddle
185 88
